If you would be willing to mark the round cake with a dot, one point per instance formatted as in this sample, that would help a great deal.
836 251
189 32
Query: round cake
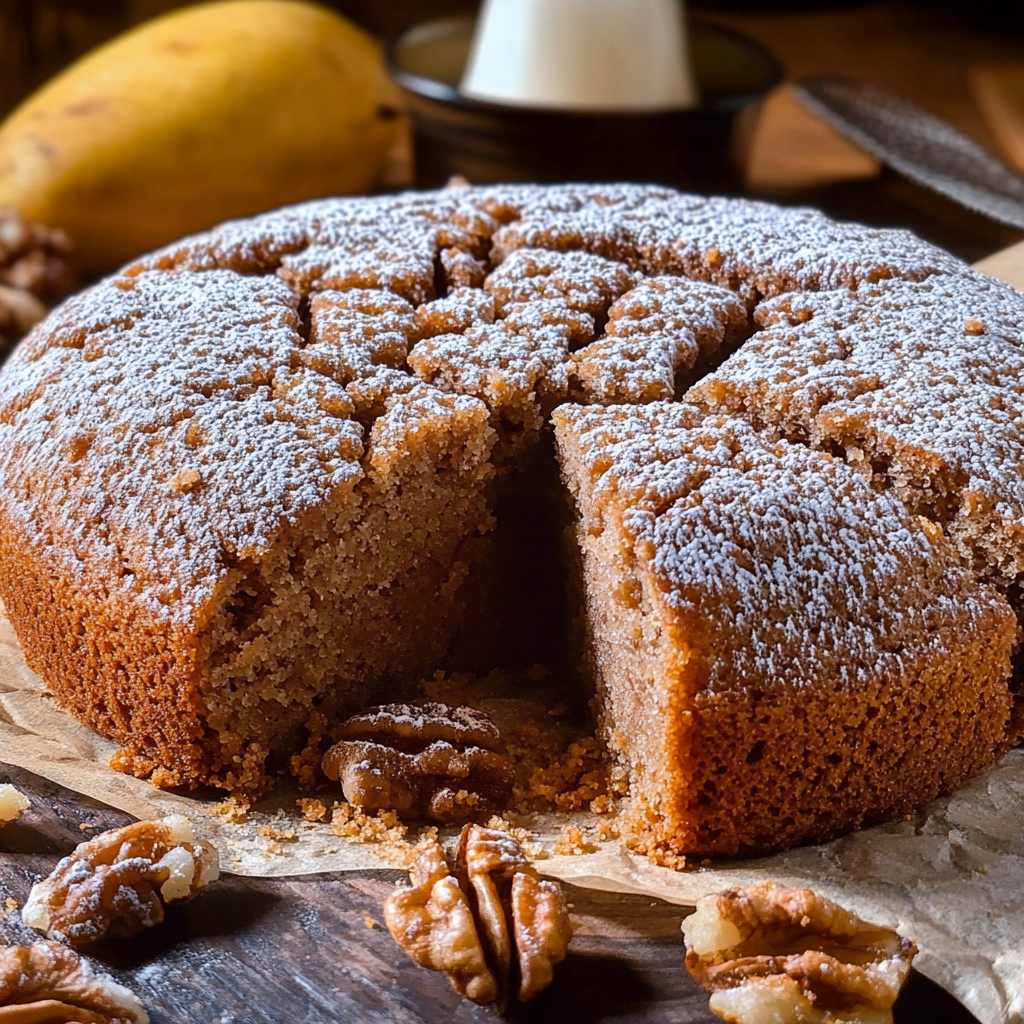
258 479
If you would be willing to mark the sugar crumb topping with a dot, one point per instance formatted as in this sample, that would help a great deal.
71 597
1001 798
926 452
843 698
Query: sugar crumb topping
170 420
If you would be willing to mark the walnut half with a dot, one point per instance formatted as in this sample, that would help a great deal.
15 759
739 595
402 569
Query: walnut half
488 921
771 955
46 982
116 885
426 760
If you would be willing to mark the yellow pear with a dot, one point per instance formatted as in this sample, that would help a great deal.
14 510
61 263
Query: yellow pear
214 111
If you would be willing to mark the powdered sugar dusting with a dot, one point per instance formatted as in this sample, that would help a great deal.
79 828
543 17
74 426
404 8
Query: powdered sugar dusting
783 562
137 382
174 418
919 383
656 331
749 246
584 282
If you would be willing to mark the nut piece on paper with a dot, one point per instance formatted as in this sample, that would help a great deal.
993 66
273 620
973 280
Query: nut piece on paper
428 760
116 885
493 926
48 982
12 803
789 956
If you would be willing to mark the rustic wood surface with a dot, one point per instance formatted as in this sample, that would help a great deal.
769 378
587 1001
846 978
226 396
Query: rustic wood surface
312 950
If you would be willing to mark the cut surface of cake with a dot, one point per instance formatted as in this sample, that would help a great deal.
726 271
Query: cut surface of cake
783 653
275 472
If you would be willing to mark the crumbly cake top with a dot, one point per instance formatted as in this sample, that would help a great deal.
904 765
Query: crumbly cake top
782 563
157 428
655 333
921 384
751 247
169 421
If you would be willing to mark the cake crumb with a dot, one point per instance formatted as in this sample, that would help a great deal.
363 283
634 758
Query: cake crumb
11 904
657 855
572 843
165 778
312 809
533 849
278 837
560 781
185 481
974 327
282 835
384 830
369 922
85 827
235 811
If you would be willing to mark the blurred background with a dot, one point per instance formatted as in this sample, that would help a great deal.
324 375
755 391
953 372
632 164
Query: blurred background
960 60
945 55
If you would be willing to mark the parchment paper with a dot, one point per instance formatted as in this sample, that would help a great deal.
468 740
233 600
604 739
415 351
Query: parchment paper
952 878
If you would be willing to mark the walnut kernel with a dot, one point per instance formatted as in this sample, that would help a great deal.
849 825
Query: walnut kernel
431 761
789 956
493 926
49 982
34 258
117 884
12 803
432 921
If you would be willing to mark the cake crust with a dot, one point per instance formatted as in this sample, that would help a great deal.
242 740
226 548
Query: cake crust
252 481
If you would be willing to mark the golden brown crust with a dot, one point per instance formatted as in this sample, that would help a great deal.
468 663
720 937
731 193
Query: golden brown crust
245 482
761 651
59 624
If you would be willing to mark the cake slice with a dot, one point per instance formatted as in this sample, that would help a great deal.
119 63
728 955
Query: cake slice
920 386
781 653
209 549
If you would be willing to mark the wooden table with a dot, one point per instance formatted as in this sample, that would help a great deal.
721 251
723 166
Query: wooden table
312 950
916 51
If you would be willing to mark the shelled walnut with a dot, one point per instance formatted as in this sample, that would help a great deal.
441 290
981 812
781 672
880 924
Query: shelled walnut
34 258
488 921
116 885
426 760
46 982
35 268
789 956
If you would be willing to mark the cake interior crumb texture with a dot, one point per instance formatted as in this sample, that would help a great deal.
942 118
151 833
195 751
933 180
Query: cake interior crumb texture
752 478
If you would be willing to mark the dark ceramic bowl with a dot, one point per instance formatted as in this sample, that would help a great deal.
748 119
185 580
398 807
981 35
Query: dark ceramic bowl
700 149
